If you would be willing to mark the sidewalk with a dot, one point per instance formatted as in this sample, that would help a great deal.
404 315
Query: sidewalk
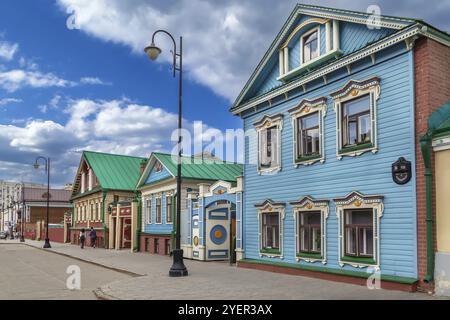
211 280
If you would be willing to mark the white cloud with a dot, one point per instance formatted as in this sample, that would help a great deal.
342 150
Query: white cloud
8 50
94 81
224 40
53 104
6 101
114 126
14 80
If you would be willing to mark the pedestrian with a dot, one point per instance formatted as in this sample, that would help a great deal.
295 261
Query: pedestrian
93 236
82 238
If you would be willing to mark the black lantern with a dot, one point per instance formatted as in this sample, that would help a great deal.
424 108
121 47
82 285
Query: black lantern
401 171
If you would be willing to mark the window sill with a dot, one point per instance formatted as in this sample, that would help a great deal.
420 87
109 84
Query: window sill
311 64
356 149
275 252
308 159
368 261
312 256
268 170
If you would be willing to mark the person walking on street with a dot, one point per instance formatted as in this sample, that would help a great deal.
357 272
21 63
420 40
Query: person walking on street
82 238
93 236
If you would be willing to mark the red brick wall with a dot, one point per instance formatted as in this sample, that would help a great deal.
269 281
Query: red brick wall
432 90
54 234
56 215
151 244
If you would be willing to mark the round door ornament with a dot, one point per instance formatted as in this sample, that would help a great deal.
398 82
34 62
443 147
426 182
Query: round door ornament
218 235
196 241
401 171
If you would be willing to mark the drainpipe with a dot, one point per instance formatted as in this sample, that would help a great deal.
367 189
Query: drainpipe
174 223
425 143
104 192
139 222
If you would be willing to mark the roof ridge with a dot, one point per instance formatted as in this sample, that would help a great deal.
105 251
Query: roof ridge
312 6
214 161
114 154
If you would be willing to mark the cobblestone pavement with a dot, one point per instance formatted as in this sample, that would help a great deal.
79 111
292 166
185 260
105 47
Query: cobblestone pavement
213 280
28 274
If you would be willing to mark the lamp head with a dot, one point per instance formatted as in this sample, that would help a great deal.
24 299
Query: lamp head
153 51
36 165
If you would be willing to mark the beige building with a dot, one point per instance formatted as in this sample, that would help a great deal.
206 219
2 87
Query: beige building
104 184
10 198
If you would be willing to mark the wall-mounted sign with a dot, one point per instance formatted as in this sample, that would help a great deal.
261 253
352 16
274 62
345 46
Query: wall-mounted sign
401 171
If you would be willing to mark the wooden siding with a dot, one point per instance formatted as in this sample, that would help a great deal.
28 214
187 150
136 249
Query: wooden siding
352 36
369 173
158 176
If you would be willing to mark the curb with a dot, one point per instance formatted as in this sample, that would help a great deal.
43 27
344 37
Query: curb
100 295
132 274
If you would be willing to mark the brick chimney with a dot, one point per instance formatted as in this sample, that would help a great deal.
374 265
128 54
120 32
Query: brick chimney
143 165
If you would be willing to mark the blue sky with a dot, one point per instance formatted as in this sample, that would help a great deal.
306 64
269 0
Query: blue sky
63 91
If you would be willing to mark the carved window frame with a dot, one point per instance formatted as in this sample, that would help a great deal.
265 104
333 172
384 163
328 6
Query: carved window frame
261 126
304 108
269 206
352 90
356 200
309 204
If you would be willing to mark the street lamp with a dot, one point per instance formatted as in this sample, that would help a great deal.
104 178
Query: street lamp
178 268
20 212
47 169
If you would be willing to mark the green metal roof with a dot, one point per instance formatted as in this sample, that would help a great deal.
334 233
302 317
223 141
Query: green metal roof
115 172
439 121
206 170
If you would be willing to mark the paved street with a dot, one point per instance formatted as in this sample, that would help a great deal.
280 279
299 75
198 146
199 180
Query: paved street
30 273
207 280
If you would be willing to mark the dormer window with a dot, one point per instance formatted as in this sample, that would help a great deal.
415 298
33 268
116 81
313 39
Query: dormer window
158 167
312 43
311 48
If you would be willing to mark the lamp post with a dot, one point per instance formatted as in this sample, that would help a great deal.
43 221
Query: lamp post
22 215
20 186
178 268
47 169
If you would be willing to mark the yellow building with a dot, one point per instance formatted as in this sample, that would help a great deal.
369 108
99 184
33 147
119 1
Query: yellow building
439 137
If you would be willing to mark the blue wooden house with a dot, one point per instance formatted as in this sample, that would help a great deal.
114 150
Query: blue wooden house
332 108
157 186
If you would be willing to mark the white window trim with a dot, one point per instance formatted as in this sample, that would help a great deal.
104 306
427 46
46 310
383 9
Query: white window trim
169 194
354 201
310 204
330 34
148 210
353 90
265 123
304 108
270 207
302 43
156 197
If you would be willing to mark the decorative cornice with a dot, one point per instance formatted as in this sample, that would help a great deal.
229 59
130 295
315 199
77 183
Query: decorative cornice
355 85
367 51
299 27
310 201
268 120
355 196
321 12
308 103
270 203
